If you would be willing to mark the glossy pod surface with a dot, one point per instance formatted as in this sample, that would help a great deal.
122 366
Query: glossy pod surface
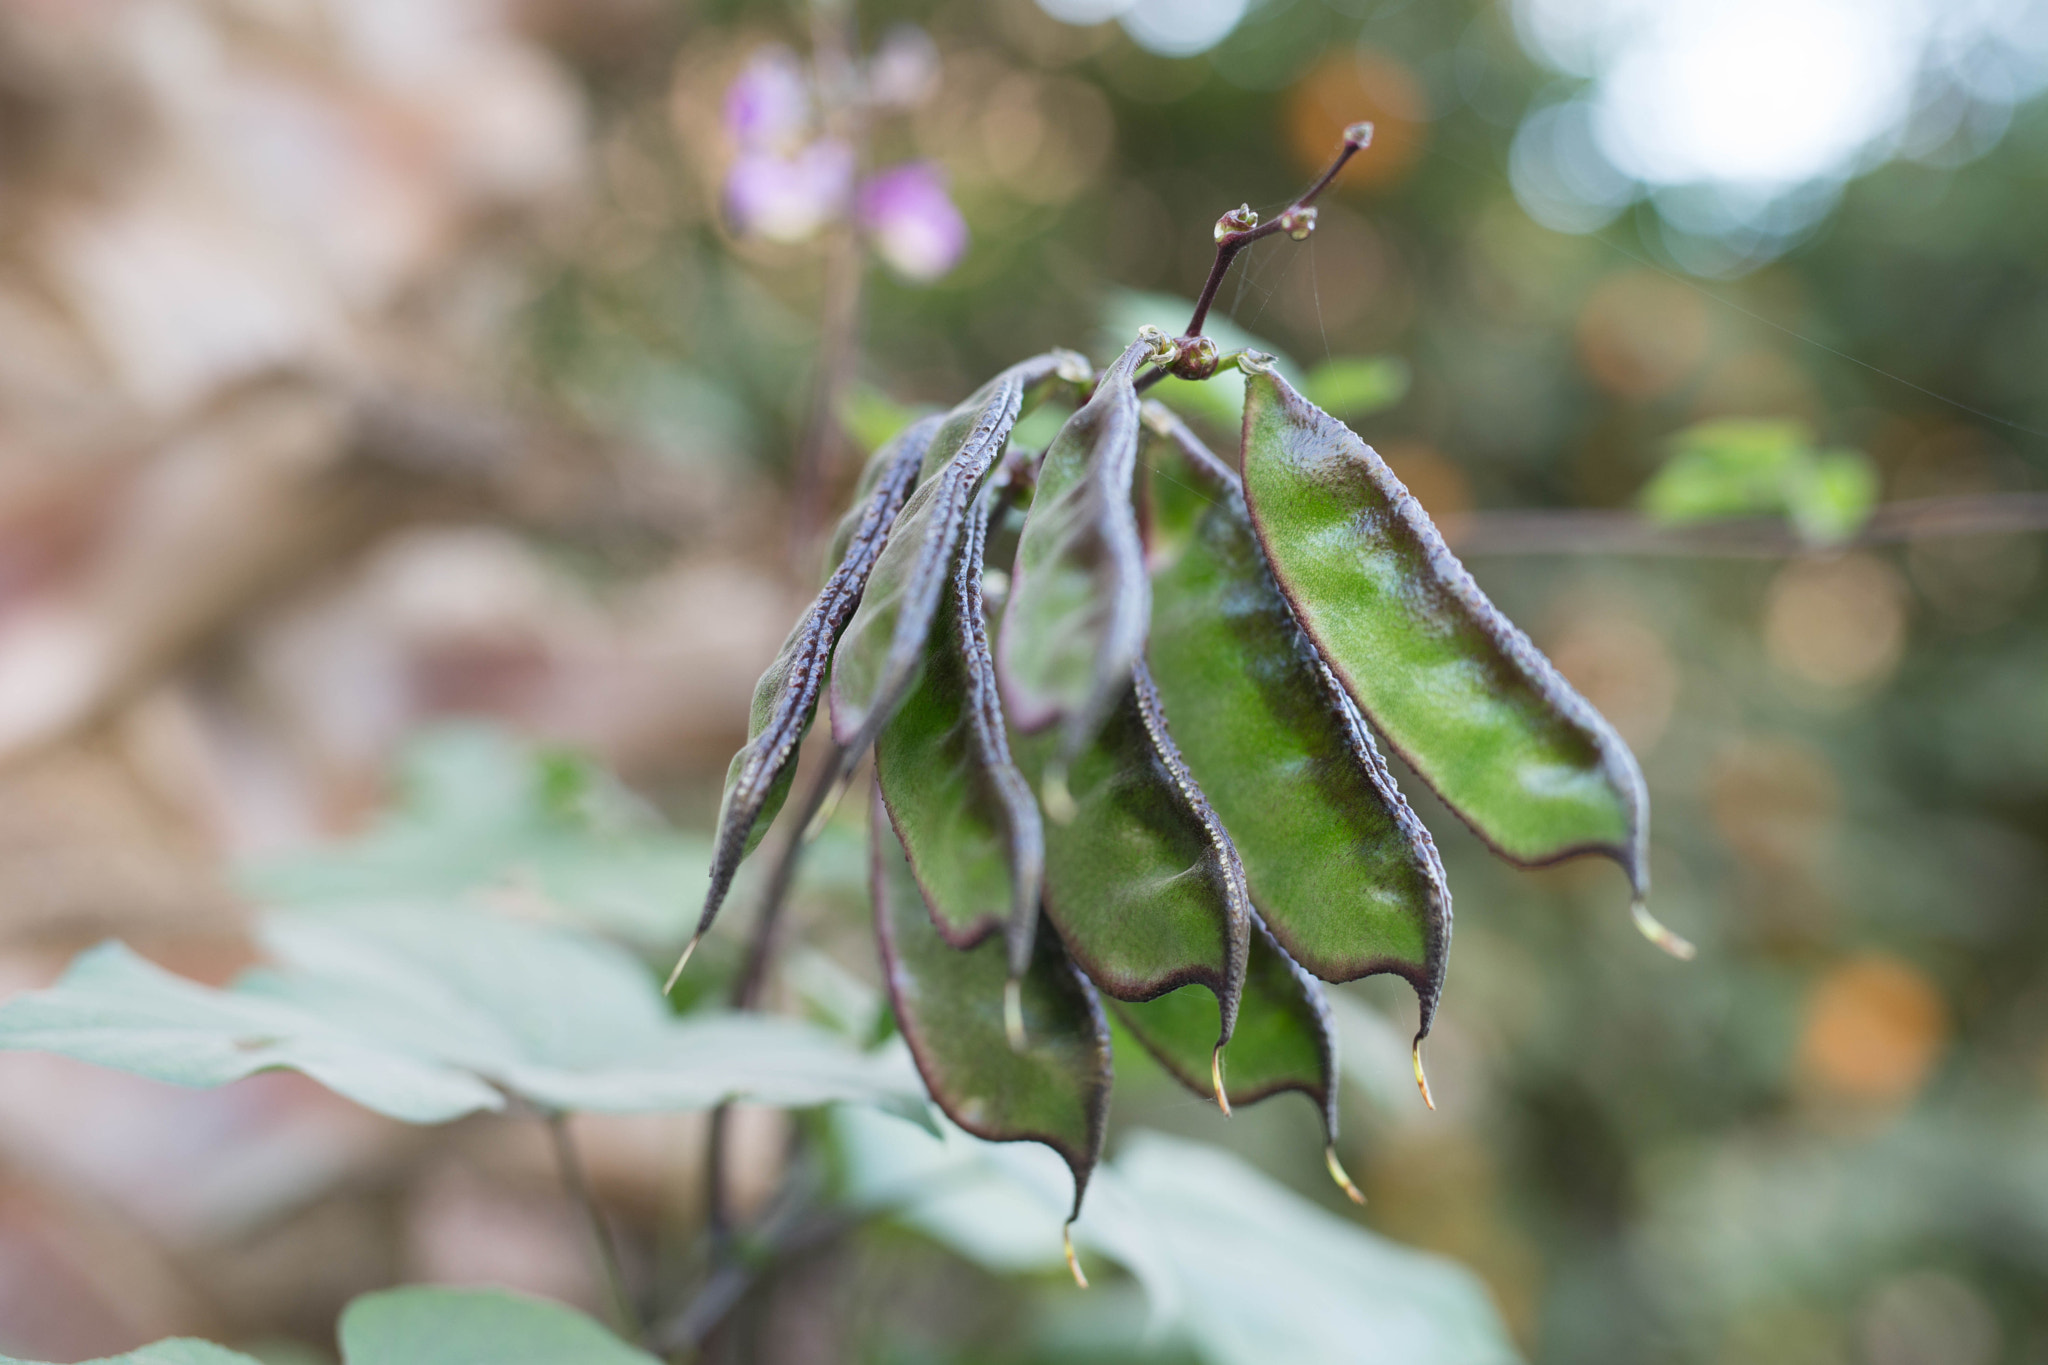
786 697
966 816
1338 865
948 1003
877 659
1452 684
1284 1039
1079 598
1143 883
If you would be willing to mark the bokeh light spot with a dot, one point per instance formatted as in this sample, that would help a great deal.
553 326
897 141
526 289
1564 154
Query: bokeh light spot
1837 624
1874 1027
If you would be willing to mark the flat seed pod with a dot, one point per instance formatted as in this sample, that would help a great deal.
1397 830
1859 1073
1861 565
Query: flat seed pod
965 814
1079 599
877 659
1143 883
1339 867
1451 684
1284 1039
1055 1089
757 782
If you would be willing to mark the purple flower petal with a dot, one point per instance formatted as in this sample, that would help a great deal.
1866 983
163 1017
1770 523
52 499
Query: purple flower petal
904 70
912 222
768 105
787 199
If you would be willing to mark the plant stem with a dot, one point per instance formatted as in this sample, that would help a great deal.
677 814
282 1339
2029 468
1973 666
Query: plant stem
832 48
1571 532
753 979
1228 244
577 1186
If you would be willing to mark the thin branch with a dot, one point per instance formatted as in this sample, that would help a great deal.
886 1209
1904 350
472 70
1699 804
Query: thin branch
752 980
832 57
577 1185
1237 230
1631 533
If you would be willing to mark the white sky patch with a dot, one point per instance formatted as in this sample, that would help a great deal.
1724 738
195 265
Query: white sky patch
1743 117
1171 28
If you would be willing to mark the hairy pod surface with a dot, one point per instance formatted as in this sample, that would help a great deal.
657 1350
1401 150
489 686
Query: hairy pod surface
786 698
1340 868
1143 882
1079 598
878 656
1168 754
948 1002
965 814
1454 686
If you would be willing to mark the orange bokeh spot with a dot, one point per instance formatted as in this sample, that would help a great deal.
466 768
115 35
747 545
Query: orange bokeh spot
1641 334
1874 1027
1345 88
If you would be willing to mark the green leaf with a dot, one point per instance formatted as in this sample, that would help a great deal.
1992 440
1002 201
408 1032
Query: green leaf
1357 386
431 1325
1343 872
176 1351
876 662
1449 682
1750 467
1243 1270
1834 500
1141 881
114 1009
872 419
428 1015
479 813
950 1006
968 820
757 782
1079 599
1268 1276
1284 1038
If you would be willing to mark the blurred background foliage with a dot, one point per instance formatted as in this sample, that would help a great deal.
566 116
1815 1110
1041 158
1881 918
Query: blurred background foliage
365 363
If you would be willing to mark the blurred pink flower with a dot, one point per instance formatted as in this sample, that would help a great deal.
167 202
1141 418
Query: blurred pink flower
787 199
912 221
768 105
905 69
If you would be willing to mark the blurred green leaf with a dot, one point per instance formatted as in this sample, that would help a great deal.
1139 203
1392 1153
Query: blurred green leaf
430 1325
478 812
1755 467
1245 1270
114 1009
872 419
427 1015
1835 498
1355 386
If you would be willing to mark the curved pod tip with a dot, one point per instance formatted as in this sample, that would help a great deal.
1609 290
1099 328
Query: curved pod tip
681 962
1073 1261
1338 1174
1216 1080
1422 1080
1652 930
1054 796
1013 1013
